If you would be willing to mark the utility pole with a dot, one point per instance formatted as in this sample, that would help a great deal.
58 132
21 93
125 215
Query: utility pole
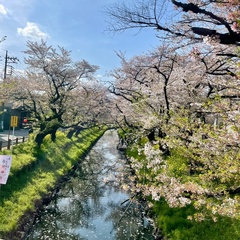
7 61
5 66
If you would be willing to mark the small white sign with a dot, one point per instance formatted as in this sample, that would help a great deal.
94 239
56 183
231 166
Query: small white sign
5 164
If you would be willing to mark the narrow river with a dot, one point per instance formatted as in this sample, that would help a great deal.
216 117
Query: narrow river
90 205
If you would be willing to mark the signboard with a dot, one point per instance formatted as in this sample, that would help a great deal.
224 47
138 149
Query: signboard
14 121
5 164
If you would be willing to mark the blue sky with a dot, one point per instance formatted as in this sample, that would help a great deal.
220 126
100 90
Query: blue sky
77 25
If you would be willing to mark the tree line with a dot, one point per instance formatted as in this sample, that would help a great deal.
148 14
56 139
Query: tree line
178 104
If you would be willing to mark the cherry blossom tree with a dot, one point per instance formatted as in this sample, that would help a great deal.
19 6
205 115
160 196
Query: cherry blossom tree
211 27
192 20
185 128
88 106
51 82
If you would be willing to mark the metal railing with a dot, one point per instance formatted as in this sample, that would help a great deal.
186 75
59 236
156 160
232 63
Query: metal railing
8 144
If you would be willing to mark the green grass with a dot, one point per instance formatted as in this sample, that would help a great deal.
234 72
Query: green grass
174 225
35 172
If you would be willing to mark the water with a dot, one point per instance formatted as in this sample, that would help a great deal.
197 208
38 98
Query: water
91 205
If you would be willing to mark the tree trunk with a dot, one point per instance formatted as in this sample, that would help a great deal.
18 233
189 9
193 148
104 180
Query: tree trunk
45 129
39 138
53 135
54 131
70 133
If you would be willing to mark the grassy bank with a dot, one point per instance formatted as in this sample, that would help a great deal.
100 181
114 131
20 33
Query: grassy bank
35 173
173 223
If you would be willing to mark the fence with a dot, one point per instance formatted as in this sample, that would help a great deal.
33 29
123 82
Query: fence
10 142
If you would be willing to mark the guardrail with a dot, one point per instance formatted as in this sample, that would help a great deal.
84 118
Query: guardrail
10 142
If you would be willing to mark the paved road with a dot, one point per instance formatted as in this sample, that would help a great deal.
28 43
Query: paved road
5 135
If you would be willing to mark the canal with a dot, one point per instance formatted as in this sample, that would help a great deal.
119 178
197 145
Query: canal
91 204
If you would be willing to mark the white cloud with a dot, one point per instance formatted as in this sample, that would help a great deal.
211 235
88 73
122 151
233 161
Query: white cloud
2 10
32 30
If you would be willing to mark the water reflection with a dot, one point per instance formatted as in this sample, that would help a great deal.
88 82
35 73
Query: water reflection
89 207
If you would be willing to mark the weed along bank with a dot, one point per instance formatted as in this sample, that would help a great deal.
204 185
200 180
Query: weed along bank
35 176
